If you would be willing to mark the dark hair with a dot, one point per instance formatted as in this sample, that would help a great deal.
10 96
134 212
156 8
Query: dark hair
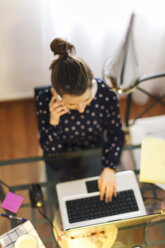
70 74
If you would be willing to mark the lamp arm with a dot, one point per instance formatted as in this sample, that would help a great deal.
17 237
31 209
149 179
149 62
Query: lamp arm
151 77
129 97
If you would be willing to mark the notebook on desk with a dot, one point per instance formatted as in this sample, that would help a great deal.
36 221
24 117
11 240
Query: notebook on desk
80 205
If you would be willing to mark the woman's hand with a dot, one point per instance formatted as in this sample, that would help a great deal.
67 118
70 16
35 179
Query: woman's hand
56 108
107 184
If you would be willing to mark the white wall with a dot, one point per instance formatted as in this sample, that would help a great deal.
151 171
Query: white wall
95 27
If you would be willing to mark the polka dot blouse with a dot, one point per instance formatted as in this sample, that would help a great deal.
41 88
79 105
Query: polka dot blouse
99 124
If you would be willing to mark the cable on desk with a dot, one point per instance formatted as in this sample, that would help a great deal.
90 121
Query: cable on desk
2 192
5 184
46 217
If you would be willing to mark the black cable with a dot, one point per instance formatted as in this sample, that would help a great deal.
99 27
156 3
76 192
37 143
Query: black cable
5 184
46 217
2 192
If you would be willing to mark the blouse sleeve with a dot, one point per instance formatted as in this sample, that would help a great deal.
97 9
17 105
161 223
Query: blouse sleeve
114 135
51 137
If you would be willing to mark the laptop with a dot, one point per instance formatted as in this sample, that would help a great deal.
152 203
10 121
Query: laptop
80 205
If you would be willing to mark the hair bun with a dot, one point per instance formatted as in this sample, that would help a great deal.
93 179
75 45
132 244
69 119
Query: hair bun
61 47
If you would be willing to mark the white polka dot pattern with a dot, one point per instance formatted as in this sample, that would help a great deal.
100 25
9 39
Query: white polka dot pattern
100 121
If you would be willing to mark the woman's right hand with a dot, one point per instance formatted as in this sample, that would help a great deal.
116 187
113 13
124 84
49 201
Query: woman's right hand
56 108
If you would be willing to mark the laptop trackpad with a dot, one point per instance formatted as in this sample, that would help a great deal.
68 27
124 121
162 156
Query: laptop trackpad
92 186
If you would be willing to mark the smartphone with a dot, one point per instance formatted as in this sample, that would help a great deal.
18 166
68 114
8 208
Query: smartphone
59 97
54 92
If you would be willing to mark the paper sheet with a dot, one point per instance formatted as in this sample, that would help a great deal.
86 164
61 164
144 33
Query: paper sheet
152 168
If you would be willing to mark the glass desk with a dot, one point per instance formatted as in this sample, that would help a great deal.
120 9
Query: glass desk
130 236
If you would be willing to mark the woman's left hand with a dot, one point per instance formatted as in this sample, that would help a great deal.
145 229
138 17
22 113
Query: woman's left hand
107 184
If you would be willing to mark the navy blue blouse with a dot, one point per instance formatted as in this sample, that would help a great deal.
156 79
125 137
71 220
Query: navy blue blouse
100 121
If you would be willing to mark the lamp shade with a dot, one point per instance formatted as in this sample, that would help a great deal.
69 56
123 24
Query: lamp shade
121 73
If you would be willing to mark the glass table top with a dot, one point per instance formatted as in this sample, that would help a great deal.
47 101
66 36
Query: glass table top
129 236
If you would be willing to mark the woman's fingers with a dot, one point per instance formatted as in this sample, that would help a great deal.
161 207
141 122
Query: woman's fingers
55 104
107 190
56 107
99 184
54 101
115 190
109 194
63 111
102 191
107 184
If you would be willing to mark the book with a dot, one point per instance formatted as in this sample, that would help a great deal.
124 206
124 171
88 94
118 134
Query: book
152 164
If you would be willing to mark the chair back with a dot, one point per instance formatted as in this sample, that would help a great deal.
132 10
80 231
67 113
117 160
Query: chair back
38 89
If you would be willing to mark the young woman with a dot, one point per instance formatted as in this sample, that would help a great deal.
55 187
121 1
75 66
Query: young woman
80 112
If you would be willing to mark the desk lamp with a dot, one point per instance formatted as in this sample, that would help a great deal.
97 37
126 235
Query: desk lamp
122 72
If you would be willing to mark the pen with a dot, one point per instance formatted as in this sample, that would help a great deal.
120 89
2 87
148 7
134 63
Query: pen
13 217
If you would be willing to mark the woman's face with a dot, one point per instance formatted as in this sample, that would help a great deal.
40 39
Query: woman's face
78 102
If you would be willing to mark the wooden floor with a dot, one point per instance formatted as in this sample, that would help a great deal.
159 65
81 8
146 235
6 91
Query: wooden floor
19 138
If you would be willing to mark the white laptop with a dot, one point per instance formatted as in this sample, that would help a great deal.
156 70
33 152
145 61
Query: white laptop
80 205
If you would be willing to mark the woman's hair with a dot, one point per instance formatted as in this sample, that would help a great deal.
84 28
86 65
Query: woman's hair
70 74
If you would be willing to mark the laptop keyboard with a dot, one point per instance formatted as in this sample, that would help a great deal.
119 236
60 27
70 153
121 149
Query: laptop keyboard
92 208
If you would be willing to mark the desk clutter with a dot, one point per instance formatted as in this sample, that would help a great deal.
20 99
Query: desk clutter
12 202
8 239
101 236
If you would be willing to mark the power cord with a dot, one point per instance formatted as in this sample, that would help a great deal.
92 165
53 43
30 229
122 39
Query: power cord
5 184
49 220
46 217
2 191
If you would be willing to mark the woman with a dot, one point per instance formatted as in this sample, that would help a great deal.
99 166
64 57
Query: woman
78 112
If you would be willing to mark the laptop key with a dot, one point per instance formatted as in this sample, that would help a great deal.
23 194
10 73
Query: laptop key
92 208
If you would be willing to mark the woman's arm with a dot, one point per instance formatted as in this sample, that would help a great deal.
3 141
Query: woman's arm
51 136
114 135
114 140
